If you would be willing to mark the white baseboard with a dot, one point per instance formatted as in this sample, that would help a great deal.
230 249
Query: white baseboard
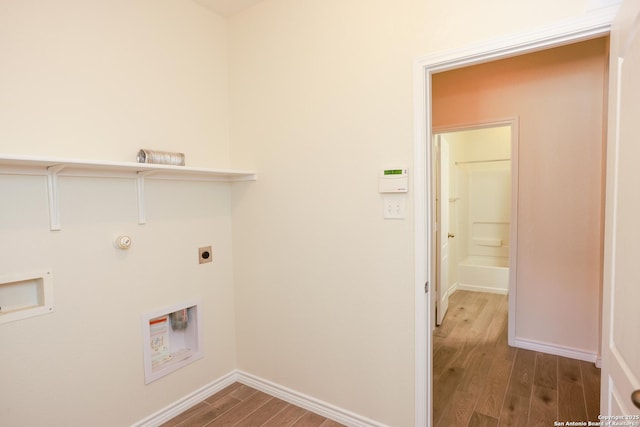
309 403
487 289
557 350
452 289
291 396
192 399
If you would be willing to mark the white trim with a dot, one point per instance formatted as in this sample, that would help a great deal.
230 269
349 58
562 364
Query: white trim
293 397
591 25
558 350
513 238
192 399
452 289
486 289
54 167
304 401
422 250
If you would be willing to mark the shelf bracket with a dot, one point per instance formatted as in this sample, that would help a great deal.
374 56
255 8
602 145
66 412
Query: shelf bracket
54 202
142 213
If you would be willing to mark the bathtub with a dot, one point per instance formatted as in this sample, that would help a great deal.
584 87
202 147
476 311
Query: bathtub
484 274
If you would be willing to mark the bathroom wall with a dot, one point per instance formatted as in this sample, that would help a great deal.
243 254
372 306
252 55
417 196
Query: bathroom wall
481 190
472 146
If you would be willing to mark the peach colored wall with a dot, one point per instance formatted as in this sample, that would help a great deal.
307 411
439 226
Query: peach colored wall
558 97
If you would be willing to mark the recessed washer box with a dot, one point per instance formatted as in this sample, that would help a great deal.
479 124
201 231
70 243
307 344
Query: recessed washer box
25 295
171 339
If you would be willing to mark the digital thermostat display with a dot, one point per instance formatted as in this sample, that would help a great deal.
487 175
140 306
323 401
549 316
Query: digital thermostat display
394 181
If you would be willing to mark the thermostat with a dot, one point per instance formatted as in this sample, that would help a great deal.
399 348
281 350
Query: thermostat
394 181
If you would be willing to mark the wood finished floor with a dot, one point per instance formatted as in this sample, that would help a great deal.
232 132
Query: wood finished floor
242 406
478 380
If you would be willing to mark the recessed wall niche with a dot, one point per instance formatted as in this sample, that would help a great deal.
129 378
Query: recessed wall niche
25 295
171 339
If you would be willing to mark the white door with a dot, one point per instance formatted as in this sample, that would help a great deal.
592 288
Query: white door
621 294
442 233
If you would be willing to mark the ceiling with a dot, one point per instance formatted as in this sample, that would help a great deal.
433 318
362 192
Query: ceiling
227 7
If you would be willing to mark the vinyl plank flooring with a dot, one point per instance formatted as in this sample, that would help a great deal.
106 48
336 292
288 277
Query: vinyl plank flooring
331 423
223 392
544 407
484 317
447 325
441 358
476 372
239 405
265 412
571 404
497 327
309 420
242 392
515 411
242 410
546 371
569 370
446 388
591 384
503 350
492 395
286 417
459 409
481 420
510 387
472 310
179 420
214 410
522 374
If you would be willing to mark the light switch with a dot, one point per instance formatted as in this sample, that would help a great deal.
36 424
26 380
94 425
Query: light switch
394 207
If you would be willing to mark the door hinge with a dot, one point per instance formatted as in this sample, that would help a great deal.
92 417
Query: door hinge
426 287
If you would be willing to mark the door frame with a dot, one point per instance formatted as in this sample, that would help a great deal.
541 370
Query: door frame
514 142
592 25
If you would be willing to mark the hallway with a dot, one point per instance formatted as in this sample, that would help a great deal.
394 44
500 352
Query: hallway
478 380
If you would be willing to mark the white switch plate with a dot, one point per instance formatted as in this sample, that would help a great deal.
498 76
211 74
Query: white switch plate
394 207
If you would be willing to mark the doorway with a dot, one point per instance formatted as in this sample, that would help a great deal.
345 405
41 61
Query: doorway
425 259
475 205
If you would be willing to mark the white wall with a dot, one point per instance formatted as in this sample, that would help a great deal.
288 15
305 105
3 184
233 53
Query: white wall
321 100
99 80
320 103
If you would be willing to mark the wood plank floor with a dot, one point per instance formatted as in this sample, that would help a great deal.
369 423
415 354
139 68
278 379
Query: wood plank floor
242 406
478 380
